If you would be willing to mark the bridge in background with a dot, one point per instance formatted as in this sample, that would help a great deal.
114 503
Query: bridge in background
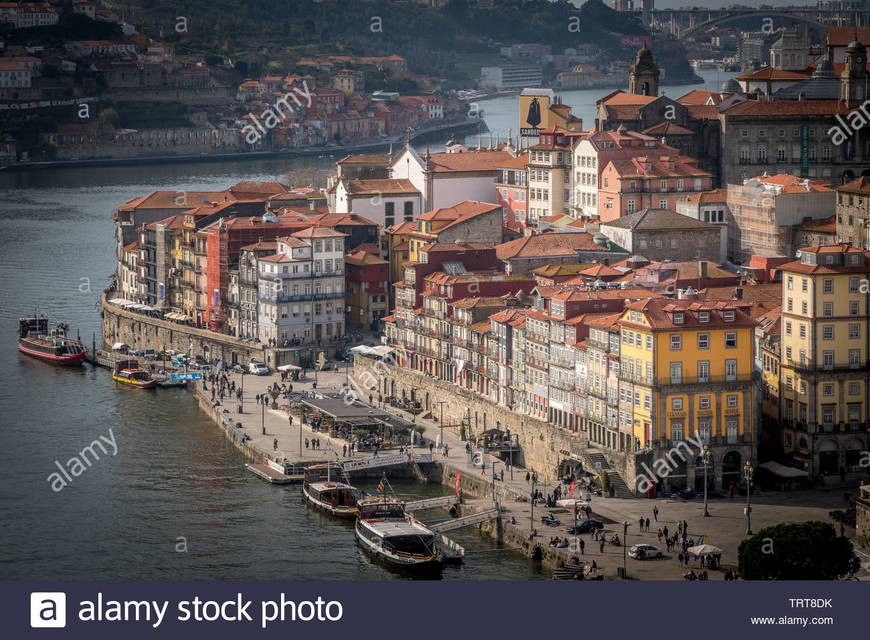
684 23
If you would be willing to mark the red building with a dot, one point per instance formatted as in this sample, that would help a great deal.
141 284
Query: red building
368 277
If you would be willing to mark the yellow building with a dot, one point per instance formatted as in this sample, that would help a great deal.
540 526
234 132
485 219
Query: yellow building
824 359
686 380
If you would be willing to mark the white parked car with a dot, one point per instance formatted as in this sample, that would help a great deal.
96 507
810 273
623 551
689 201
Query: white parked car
644 551
258 368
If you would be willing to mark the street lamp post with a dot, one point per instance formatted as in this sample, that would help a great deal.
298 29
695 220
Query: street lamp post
624 547
747 472
263 417
511 453
441 423
494 462
707 457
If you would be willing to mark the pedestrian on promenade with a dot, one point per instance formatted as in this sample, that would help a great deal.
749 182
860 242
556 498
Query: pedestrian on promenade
344 450
306 443
528 475
731 493
646 524
371 397
656 513
275 444
679 529
446 449
582 546
291 420
431 448
685 528
680 558
601 545
665 531
641 524
659 535
212 394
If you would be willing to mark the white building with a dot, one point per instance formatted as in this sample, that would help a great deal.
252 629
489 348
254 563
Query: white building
301 288
14 76
386 201
446 179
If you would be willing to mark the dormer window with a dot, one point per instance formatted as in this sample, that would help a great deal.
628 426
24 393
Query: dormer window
829 259
728 315
704 316
855 259
679 318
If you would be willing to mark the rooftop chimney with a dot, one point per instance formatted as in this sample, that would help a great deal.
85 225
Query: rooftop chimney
702 268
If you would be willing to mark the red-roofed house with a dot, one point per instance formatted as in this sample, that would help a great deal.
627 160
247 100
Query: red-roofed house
368 277
643 182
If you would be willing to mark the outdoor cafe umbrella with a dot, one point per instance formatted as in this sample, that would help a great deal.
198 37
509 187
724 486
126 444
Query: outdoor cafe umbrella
704 550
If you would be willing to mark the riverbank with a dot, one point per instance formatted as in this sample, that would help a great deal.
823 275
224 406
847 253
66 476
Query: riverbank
454 128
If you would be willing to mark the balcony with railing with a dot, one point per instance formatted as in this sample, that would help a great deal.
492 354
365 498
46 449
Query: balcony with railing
305 297
534 336
811 366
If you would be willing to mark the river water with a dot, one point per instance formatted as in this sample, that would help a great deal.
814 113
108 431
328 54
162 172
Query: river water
175 502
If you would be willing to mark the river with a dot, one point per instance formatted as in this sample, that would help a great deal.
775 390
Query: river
175 502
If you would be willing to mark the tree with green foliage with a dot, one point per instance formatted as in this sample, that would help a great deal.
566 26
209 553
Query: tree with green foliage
804 551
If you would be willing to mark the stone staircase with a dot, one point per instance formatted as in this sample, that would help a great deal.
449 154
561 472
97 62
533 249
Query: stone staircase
620 488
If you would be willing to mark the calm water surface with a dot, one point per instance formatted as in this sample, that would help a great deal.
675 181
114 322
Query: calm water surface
175 481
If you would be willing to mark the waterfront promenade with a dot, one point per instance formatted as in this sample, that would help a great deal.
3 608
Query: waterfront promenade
725 528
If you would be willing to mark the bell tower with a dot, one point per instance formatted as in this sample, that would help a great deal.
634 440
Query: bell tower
853 80
643 77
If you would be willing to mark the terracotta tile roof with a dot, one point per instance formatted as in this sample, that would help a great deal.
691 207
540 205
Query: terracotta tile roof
454 246
479 301
483 160
792 184
319 232
771 292
402 228
509 315
342 219
364 159
658 167
261 246
658 313
700 96
465 210
258 188
555 270
548 244
602 320
383 186
843 36
291 242
858 185
788 108
519 162
175 200
667 128
172 222
572 294
658 219
769 320
769 73
703 111
709 197
600 270
820 225
623 98
364 258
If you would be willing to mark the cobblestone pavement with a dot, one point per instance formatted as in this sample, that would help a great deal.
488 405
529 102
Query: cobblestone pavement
725 528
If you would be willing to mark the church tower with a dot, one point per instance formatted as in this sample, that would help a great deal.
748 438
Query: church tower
643 78
853 80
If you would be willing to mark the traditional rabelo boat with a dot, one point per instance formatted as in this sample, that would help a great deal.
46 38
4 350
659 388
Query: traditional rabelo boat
51 345
323 487
391 536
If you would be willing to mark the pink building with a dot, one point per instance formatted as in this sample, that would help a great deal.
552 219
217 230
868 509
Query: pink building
644 182
512 188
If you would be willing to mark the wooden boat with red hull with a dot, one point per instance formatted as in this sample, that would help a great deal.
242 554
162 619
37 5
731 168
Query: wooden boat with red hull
35 339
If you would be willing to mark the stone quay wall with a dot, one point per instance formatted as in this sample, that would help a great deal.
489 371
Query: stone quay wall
542 445
143 332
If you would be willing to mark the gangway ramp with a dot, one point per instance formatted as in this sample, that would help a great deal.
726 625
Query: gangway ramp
431 503
464 521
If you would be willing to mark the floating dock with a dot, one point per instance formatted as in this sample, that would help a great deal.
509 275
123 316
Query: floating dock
272 475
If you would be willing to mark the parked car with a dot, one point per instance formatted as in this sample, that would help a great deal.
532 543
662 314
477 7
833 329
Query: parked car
238 368
585 526
258 368
644 551
179 360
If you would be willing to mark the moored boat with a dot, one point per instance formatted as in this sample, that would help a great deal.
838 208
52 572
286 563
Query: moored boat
51 345
128 373
389 535
323 488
